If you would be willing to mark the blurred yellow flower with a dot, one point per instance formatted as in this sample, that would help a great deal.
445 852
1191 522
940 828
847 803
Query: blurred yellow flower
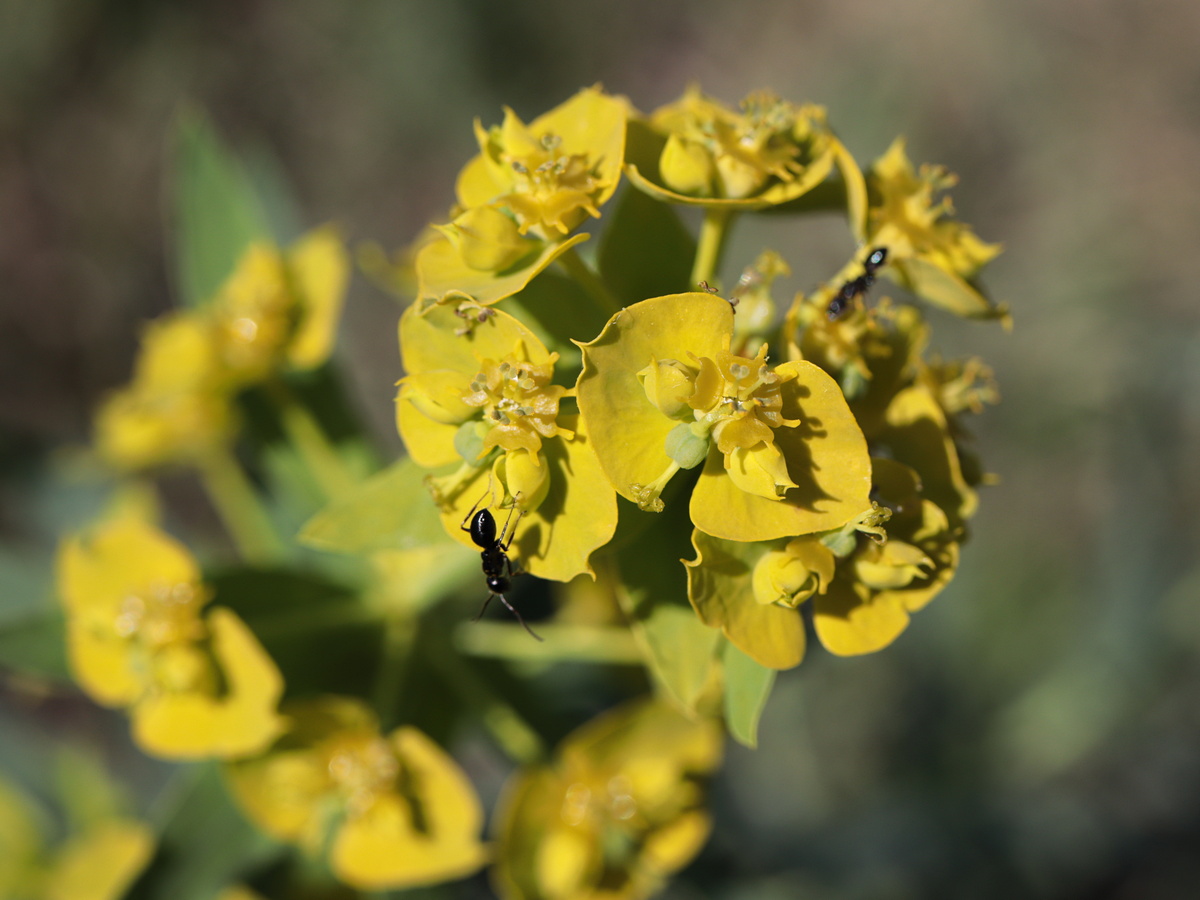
280 309
195 685
176 407
618 810
98 862
390 811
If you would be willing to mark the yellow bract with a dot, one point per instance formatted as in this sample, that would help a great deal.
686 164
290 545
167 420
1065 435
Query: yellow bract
479 397
618 810
931 253
196 686
880 585
786 456
519 199
769 153
554 171
391 811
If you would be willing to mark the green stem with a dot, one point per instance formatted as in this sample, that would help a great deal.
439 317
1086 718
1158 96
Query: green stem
389 683
239 506
319 455
515 736
582 273
713 233
564 643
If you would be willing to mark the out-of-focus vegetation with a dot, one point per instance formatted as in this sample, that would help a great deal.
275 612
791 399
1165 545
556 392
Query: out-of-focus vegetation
1035 733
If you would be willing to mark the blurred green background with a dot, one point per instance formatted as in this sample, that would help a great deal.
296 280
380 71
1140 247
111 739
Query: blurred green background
1036 732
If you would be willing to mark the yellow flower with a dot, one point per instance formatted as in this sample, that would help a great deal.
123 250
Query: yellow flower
881 584
660 392
929 252
97 862
769 153
175 408
527 190
556 170
615 814
278 309
751 591
391 811
195 685
481 399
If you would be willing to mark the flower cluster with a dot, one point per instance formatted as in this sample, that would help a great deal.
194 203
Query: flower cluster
702 475
819 458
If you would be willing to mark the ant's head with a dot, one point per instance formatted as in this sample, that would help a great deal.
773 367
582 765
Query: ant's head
876 259
499 584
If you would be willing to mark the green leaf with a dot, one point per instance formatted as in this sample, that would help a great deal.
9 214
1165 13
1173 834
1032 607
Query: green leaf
645 250
35 645
300 617
217 213
558 311
207 844
747 687
391 510
652 590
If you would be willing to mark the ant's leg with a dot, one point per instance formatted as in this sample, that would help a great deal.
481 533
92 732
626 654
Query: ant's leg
483 609
504 545
464 526
512 609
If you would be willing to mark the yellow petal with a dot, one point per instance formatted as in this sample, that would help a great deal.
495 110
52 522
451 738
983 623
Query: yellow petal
104 665
919 435
102 863
851 623
487 240
629 431
761 470
392 846
720 587
826 458
320 270
240 722
444 276
98 571
578 515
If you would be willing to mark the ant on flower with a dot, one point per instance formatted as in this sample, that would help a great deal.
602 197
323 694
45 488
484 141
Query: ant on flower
497 567
856 287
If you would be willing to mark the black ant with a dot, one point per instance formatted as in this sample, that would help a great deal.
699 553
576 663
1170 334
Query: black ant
856 287
497 567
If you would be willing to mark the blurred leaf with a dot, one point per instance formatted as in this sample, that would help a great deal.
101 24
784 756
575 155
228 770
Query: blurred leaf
217 213
300 617
747 687
392 510
36 645
206 844
645 250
